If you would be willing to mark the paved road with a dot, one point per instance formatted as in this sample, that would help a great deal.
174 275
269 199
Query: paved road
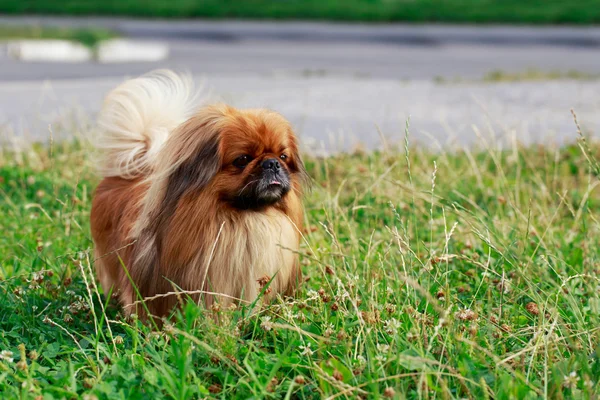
376 51
335 82
333 113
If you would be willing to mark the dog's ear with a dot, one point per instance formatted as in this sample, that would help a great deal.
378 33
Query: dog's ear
297 165
197 171
196 157
188 160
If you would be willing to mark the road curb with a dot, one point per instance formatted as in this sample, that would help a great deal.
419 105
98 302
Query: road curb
123 50
109 51
48 50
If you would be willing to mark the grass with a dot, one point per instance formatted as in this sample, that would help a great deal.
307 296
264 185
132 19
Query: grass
454 11
460 274
528 75
86 36
536 75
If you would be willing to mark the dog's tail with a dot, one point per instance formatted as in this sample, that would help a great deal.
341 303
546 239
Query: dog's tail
137 118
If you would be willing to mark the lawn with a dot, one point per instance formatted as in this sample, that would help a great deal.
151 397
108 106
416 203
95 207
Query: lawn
453 11
86 36
469 273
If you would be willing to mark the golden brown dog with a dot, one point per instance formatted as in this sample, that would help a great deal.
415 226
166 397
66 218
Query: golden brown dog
194 201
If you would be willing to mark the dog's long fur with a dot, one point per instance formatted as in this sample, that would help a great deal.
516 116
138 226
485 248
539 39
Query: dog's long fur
164 215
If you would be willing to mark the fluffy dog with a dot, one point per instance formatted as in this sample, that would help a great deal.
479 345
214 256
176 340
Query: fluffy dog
204 200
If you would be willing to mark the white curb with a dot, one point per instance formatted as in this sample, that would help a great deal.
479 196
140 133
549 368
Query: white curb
49 50
109 51
121 50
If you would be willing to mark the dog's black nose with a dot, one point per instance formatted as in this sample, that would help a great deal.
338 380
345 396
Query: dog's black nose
271 163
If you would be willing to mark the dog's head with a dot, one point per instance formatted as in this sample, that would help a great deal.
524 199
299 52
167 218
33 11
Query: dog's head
245 159
259 161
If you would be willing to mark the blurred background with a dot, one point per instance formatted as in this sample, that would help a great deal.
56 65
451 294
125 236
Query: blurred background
346 73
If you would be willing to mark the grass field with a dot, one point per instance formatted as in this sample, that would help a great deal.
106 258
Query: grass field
455 11
87 36
464 274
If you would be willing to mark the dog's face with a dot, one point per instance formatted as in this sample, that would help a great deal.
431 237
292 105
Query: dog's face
260 162
245 159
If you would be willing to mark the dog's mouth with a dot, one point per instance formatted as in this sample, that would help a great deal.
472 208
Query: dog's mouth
271 187
267 190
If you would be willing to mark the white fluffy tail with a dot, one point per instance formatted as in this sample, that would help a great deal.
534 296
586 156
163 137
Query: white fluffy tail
136 119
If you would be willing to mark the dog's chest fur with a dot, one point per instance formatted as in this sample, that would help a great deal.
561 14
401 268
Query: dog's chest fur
249 250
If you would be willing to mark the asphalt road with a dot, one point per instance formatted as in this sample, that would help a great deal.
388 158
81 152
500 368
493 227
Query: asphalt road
300 48
339 84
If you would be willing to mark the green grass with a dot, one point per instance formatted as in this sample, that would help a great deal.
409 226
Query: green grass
455 11
528 75
464 274
86 36
536 75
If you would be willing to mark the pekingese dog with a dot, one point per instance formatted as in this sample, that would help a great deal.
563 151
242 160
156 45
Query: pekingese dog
203 201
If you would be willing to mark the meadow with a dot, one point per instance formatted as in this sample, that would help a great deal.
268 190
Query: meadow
87 36
418 11
467 273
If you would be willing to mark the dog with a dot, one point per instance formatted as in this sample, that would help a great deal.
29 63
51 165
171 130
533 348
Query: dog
205 202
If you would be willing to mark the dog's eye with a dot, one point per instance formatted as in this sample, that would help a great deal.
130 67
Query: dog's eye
242 161
283 156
